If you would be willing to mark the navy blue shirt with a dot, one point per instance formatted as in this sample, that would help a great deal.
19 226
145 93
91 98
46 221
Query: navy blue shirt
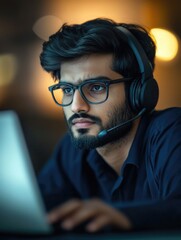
148 189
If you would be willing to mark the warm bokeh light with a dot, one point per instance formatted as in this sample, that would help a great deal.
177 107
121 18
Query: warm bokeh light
8 68
46 26
167 44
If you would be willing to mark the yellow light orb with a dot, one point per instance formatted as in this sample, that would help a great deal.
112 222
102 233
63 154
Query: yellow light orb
166 42
46 26
8 68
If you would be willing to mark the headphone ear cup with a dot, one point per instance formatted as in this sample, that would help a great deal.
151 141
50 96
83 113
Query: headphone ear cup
149 94
133 95
143 95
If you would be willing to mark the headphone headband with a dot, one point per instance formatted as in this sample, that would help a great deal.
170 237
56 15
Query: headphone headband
143 93
146 70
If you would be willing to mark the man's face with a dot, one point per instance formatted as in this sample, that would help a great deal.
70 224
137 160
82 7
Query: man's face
86 120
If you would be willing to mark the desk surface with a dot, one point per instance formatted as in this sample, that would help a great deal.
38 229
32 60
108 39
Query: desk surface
176 235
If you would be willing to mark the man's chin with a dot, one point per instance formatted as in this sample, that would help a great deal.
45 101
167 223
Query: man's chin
85 142
90 142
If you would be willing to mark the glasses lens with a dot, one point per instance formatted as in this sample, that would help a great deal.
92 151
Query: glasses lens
63 94
95 92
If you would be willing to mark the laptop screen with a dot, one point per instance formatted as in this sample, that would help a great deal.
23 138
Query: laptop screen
21 206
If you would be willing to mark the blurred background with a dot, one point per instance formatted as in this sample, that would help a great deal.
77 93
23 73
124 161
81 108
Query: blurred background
24 25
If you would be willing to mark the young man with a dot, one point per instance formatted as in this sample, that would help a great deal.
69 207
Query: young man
119 165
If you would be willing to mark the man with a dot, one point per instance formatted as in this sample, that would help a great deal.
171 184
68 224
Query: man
119 165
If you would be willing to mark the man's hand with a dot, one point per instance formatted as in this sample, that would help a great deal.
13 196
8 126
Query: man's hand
99 215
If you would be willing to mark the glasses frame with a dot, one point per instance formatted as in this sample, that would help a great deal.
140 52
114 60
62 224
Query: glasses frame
80 86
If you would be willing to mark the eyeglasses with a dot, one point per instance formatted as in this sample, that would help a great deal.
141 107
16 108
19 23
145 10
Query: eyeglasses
93 91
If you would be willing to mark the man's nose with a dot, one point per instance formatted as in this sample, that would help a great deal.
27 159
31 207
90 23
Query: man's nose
79 104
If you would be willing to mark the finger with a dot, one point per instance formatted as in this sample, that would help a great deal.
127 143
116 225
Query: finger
103 220
63 210
77 217
98 223
121 221
109 217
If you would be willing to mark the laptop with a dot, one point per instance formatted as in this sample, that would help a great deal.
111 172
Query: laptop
21 206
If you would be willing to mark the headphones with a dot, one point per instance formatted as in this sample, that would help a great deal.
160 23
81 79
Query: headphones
144 92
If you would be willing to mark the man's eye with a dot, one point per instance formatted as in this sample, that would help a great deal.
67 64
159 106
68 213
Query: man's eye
67 90
97 88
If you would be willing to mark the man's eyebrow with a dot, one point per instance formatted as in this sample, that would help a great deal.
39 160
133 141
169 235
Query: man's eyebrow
98 78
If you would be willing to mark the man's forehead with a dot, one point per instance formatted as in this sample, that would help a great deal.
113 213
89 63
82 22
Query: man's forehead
88 67
88 61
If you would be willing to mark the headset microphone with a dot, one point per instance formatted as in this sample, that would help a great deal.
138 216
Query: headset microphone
105 133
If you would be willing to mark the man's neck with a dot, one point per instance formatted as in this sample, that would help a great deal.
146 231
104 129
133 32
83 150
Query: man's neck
116 153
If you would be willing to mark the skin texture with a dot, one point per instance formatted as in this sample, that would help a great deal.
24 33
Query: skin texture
96 212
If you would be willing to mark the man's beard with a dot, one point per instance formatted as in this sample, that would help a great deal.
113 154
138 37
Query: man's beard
117 116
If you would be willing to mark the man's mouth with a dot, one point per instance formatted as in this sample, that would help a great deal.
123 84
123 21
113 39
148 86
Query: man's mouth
82 122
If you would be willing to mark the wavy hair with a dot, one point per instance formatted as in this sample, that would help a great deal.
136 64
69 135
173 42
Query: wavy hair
95 36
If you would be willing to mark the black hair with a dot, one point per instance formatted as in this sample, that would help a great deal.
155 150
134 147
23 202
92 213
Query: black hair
95 36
